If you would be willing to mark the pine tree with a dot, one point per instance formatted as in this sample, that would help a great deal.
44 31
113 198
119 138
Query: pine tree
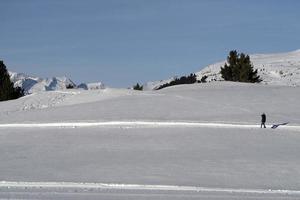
203 79
138 87
239 68
7 90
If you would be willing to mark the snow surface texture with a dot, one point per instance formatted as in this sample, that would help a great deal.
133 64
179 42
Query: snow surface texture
240 162
274 69
72 185
141 124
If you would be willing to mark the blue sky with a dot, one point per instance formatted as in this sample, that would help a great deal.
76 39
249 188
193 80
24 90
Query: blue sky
121 42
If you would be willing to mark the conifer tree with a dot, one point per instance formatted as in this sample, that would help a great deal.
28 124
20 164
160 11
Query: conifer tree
138 87
7 90
239 68
203 79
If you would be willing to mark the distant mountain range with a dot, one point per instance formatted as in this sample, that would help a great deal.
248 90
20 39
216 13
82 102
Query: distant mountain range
32 84
274 69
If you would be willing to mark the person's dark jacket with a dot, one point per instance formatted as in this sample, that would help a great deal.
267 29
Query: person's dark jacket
263 118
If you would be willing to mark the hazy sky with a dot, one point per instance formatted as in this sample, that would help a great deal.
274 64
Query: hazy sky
121 42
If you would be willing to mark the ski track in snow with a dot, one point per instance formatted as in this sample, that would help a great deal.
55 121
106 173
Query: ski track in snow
112 186
139 124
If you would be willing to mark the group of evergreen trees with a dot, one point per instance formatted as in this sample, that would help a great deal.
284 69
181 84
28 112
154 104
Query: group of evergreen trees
192 78
239 68
7 89
138 87
203 79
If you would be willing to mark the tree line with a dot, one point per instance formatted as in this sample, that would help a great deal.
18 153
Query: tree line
7 89
238 68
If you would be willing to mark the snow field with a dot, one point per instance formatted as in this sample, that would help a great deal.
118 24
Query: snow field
205 157
196 162
202 137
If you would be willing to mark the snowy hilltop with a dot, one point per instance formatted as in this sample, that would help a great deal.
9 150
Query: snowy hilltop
32 84
274 69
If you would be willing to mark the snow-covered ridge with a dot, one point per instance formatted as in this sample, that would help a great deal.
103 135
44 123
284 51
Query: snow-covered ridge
32 84
274 69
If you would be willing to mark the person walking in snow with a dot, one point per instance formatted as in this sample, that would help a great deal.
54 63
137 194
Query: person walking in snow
263 120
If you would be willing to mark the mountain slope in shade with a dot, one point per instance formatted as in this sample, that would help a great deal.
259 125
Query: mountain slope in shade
274 69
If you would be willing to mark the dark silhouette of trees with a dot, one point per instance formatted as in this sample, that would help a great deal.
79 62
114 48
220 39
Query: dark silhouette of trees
70 86
239 68
203 79
7 89
192 78
138 87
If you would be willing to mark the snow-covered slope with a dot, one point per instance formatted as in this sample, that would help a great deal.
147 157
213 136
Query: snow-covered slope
216 101
274 69
32 84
